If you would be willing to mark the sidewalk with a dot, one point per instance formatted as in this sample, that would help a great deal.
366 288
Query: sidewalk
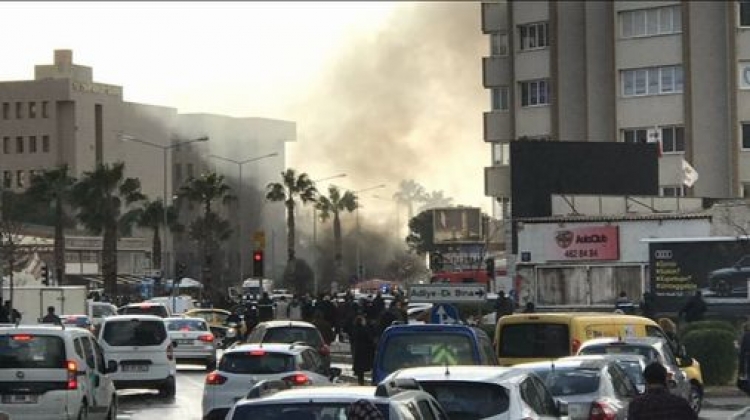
724 391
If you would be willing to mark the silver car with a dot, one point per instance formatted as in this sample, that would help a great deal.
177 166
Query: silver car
593 387
193 341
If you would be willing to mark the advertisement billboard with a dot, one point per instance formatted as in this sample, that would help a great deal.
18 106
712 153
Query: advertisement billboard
718 267
594 243
457 225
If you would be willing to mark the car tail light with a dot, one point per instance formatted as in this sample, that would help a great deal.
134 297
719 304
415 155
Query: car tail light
297 379
575 346
22 337
72 367
257 353
601 411
170 352
206 338
324 350
214 378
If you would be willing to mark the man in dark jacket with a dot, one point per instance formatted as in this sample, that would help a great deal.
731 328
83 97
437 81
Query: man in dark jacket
657 403
503 306
363 348
265 308
694 308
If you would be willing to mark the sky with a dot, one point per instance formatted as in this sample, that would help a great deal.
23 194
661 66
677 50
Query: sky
382 91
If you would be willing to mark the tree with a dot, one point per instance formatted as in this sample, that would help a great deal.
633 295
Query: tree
292 186
151 216
435 200
210 229
103 198
409 193
54 188
332 206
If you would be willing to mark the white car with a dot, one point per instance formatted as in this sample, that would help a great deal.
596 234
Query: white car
193 341
485 392
243 366
54 372
143 352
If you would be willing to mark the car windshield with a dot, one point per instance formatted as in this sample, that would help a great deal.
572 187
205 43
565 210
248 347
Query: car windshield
309 336
257 362
134 332
634 370
427 349
186 325
157 310
648 352
30 351
469 400
299 411
563 381
534 340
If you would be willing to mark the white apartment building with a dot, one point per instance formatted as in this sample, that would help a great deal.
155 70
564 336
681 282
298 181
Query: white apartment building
623 71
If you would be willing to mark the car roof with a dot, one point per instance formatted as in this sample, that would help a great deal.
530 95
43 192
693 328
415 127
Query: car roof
138 304
645 341
47 329
594 363
184 318
271 347
313 394
286 323
143 317
429 328
564 316
472 373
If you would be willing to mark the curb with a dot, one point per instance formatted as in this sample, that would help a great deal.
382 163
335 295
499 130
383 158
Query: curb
722 392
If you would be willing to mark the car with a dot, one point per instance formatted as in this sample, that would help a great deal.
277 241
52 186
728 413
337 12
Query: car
141 348
732 280
401 346
245 365
331 402
291 332
485 392
654 350
226 333
80 321
633 364
54 372
100 310
145 308
193 341
594 387
176 304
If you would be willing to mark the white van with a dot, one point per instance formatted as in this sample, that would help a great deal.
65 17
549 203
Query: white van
143 352
97 311
176 304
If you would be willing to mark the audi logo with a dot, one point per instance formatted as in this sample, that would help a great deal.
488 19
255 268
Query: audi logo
663 254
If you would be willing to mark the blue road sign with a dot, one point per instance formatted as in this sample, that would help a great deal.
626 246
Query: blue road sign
444 314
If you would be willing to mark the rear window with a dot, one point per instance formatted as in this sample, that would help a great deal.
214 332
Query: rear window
427 349
134 333
570 381
469 400
633 370
309 336
186 325
28 351
260 363
647 351
157 310
101 311
299 411
534 340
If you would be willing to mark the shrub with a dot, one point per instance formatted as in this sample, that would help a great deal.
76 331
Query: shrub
714 349
708 325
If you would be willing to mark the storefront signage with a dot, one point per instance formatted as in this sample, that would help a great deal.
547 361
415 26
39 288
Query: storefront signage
584 244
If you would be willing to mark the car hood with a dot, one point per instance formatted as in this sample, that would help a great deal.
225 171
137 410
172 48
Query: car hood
727 271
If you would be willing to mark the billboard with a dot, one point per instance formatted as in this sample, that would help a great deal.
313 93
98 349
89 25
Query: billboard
594 243
457 225
718 267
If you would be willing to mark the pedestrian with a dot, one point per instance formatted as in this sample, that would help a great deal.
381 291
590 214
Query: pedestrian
363 348
4 313
648 305
294 311
657 403
51 318
282 308
323 326
670 331
624 304
265 308
363 410
743 365
694 308
503 306
529 309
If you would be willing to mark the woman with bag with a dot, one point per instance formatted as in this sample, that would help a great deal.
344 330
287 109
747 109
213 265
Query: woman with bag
744 360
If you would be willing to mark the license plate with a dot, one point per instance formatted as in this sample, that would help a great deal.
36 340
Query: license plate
186 342
135 368
20 399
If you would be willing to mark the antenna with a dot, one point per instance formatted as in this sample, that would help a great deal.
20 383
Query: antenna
447 370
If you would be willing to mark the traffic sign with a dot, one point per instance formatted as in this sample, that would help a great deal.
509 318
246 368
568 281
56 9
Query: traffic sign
443 355
444 314
447 293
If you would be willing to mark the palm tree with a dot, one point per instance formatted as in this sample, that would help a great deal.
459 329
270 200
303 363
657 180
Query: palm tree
333 205
54 188
151 216
435 200
103 198
409 192
292 186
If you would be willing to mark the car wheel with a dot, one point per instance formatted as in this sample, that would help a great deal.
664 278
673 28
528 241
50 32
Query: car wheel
112 413
83 413
168 389
696 397
211 365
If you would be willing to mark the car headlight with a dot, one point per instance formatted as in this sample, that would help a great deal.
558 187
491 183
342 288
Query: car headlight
231 332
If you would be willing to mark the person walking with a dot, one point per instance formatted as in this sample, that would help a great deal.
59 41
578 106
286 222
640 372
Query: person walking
265 308
624 304
363 348
294 311
694 308
503 306
670 330
51 318
282 308
657 403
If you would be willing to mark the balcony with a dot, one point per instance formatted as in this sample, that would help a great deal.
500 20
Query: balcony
494 16
497 181
497 126
496 71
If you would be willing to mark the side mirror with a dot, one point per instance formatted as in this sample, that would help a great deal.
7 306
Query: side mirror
334 373
111 367
562 408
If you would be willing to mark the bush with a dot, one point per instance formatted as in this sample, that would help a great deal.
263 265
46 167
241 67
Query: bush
714 349
708 325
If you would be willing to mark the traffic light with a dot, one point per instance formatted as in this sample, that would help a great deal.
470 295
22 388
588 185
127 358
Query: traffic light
45 275
257 263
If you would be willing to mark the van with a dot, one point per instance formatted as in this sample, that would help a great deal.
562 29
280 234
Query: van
523 338
401 346
145 308
176 304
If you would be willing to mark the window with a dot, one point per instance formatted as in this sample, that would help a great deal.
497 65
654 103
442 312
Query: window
19 110
35 352
45 109
673 191
499 44
673 139
6 110
501 153
19 144
650 22
257 363
32 109
744 13
500 98
89 352
534 36
652 81
6 145
20 178
128 333
32 144
45 144
7 179
534 93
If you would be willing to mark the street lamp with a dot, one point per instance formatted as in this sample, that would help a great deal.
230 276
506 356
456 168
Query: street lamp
240 216
359 233
165 149
315 230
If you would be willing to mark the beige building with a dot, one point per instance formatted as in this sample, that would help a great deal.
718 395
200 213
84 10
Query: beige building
625 71
63 116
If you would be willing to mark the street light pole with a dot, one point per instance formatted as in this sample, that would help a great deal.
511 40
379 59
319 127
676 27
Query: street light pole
240 215
315 232
359 232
